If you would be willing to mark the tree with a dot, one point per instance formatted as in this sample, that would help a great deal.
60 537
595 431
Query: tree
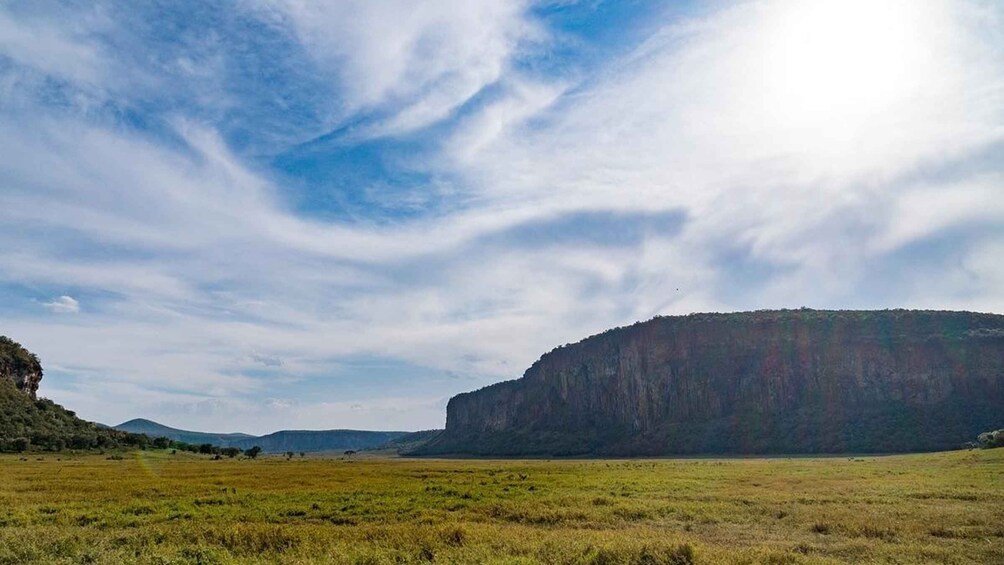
289 455
161 443
19 444
80 441
207 449
989 440
182 446
230 452
139 440
253 452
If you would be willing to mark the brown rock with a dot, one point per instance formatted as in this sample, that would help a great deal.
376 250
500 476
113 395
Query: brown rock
789 381
20 366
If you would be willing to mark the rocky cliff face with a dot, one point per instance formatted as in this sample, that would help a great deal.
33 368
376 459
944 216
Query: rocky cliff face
32 424
19 365
759 382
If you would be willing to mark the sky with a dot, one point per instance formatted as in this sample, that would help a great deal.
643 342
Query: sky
285 214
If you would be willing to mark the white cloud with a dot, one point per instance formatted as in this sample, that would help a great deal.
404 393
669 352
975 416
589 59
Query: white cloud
51 49
417 61
265 360
63 305
280 403
523 99
924 211
784 129
796 174
705 108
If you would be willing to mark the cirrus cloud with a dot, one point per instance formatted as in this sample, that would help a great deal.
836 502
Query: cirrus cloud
750 155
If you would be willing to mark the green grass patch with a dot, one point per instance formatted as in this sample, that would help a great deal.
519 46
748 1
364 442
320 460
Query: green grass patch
155 508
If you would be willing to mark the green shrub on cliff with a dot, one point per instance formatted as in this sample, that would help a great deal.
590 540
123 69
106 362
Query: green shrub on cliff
19 365
15 359
988 440
30 424
43 425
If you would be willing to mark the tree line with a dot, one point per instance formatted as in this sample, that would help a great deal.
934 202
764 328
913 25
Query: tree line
204 448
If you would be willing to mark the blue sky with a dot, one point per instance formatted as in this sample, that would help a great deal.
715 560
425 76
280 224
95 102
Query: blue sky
267 214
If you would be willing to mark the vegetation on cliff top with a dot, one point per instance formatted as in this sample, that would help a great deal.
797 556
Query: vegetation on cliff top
33 425
960 326
16 361
27 424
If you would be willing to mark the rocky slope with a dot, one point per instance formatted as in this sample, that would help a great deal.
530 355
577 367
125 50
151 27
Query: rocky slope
20 366
790 381
30 423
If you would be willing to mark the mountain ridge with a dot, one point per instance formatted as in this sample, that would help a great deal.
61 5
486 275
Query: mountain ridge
769 381
276 442
156 429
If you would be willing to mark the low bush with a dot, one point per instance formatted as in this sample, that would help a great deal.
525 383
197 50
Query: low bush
989 440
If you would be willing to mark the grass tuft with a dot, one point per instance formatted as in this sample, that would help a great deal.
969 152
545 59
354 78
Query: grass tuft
157 508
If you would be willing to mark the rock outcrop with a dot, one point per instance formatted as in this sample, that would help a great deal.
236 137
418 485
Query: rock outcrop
790 381
28 423
20 366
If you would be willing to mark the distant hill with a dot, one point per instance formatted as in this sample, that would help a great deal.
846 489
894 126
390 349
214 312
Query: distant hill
153 429
278 442
28 423
408 443
314 441
788 381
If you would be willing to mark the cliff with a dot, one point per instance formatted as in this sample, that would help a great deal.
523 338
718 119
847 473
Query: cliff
28 423
319 440
20 366
790 381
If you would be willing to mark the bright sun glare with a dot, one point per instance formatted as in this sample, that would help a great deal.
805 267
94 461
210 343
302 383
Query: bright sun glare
832 61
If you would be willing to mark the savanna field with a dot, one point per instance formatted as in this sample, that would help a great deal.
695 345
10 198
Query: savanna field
153 507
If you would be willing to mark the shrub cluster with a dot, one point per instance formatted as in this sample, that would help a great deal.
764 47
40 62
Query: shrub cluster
16 360
27 424
988 440
204 448
43 425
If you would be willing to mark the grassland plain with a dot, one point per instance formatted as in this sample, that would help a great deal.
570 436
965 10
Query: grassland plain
152 507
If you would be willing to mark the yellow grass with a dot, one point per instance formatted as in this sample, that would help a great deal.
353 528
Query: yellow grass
152 507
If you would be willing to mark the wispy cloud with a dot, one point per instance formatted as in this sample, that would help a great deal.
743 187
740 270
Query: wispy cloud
413 63
63 305
746 156
265 360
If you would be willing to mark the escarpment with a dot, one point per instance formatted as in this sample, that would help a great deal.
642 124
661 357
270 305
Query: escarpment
28 423
789 381
19 365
